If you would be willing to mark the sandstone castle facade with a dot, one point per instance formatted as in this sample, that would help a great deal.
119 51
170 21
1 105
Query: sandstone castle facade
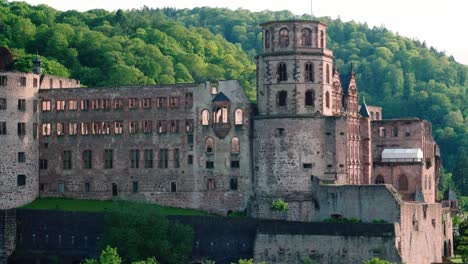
205 146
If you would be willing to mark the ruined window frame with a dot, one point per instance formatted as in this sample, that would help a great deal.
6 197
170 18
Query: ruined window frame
283 37
67 160
306 37
238 117
134 158
309 98
235 145
282 72
205 117
282 98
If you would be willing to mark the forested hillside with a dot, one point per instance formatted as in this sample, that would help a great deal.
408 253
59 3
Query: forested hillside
149 46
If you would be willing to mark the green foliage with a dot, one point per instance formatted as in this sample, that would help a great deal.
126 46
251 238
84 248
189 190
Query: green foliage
461 240
377 261
379 221
109 255
279 205
309 261
140 232
351 220
248 261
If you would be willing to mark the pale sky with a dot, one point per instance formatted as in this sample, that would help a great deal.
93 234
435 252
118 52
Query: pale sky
442 24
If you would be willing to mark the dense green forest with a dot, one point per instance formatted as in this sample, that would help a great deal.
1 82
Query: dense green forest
163 46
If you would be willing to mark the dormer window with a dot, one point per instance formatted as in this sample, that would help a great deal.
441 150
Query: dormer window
284 37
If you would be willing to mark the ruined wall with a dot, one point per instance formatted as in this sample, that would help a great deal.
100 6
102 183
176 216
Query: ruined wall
7 234
363 202
18 177
351 243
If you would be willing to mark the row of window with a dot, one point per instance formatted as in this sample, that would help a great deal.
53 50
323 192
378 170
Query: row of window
305 40
309 98
21 81
383 132
117 104
21 104
210 145
210 185
116 127
309 74
221 116
21 131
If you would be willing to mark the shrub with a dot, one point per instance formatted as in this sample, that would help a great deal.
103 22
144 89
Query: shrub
279 205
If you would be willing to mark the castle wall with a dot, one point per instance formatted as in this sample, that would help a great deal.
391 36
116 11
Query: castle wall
18 176
7 234
178 177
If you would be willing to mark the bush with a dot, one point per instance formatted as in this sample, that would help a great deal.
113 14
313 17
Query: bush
279 205
379 221
138 231
377 261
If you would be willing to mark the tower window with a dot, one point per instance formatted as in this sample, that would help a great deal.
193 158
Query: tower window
282 98
309 72
238 117
21 180
173 187
233 184
309 98
267 39
403 183
284 37
220 115
379 179
282 72
322 41
235 145
307 37
327 99
328 74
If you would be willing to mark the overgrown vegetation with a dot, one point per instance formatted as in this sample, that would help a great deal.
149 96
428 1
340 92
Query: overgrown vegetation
351 220
164 46
279 205
377 261
141 232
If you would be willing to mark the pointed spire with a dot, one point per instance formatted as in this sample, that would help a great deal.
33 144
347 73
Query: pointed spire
364 111
335 69
351 71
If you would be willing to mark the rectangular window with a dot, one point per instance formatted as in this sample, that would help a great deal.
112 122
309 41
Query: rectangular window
161 102
21 157
105 104
132 103
133 127
163 158
149 157
72 105
21 129
173 187
35 129
60 84
382 132
45 105
235 164
3 128
188 99
118 104
87 159
72 129
190 159
60 105
134 158
22 81
35 83
176 158
43 164
118 127
162 126
67 160
21 104
87 187
84 105
147 126
34 106
174 126
21 180
3 103
189 126
190 139
96 128
60 129
108 159
85 129
174 102
209 164
146 103
309 72
307 165
211 185
3 81
135 187
233 184
95 104
105 128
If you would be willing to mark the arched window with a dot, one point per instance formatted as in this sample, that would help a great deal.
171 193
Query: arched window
235 145
238 117
220 115
403 183
209 145
328 74
307 37
282 72
309 98
379 179
284 37
322 41
309 72
267 39
327 99
282 98
205 116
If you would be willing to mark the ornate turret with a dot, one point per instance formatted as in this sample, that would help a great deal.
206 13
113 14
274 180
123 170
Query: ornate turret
37 64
